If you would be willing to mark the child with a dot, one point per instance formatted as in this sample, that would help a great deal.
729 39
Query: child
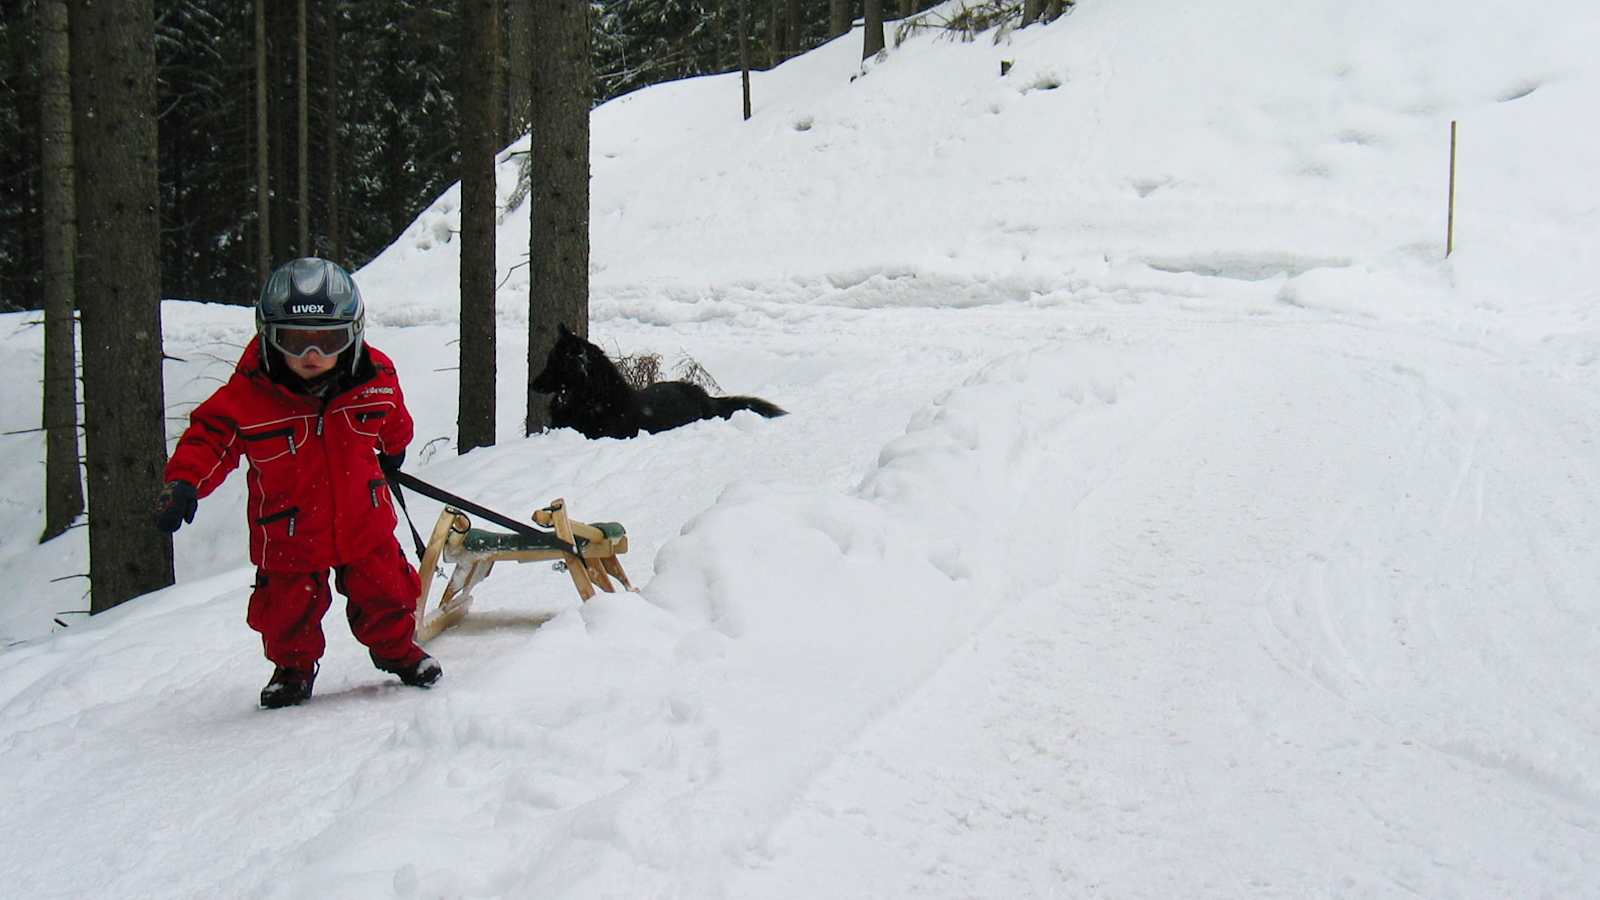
320 417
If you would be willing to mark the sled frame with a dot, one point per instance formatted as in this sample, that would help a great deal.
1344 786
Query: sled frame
473 553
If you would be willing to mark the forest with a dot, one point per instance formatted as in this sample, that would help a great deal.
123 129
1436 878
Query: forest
381 83
158 150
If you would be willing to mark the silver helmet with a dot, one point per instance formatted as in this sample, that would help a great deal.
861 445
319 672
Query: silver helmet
310 304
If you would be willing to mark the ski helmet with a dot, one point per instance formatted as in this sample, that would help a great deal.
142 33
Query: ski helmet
311 304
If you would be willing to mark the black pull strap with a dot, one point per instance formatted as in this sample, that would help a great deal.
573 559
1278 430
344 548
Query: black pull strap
398 478
400 498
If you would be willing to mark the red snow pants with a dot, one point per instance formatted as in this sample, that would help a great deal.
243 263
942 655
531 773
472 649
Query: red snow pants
381 597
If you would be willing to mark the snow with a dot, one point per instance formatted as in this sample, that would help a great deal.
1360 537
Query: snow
1159 512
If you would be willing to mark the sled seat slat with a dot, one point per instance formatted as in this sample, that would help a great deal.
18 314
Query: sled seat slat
482 540
479 541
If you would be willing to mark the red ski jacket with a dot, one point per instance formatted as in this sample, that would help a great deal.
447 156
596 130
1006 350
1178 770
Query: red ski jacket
317 496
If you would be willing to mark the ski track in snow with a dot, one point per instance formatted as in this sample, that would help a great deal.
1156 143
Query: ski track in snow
1042 734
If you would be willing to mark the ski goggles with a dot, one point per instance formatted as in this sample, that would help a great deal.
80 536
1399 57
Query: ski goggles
298 340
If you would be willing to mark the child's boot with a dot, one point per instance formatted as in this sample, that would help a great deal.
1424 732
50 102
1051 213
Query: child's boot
288 687
422 673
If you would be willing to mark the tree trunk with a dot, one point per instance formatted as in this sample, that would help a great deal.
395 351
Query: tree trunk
480 60
63 485
839 20
282 120
908 8
558 242
794 42
1030 11
519 52
744 53
774 35
873 40
330 135
119 282
303 138
263 176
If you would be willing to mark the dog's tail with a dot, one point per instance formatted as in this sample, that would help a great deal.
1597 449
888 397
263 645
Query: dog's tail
727 406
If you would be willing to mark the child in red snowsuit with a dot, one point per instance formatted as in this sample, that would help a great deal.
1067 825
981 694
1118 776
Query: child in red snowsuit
320 417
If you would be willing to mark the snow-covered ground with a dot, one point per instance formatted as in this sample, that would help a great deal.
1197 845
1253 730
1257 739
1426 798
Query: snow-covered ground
1159 515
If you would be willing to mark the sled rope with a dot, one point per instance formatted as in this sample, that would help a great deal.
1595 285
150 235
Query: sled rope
398 478
400 498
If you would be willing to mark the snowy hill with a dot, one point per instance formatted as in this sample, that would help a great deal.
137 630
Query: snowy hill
1159 515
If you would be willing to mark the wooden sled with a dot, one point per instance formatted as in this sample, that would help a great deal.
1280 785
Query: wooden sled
474 551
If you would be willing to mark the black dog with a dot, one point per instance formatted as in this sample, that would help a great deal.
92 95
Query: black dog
590 395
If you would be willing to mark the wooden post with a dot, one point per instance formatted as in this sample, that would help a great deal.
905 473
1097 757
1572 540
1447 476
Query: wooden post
1450 221
744 55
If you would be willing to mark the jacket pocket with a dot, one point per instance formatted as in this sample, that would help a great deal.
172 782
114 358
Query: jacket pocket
267 444
367 419
291 513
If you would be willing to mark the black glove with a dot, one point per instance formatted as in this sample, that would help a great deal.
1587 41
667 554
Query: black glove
175 505
390 462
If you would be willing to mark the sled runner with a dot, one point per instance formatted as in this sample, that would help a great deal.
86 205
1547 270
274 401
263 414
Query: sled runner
474 551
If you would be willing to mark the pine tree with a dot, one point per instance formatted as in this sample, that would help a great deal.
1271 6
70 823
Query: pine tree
302 143
263 172
114 130
21 247
480 53
872 42
332 198
558 242
518 34
63 484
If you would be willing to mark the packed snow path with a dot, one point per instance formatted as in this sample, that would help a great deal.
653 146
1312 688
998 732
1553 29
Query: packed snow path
1322 603
1140 602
